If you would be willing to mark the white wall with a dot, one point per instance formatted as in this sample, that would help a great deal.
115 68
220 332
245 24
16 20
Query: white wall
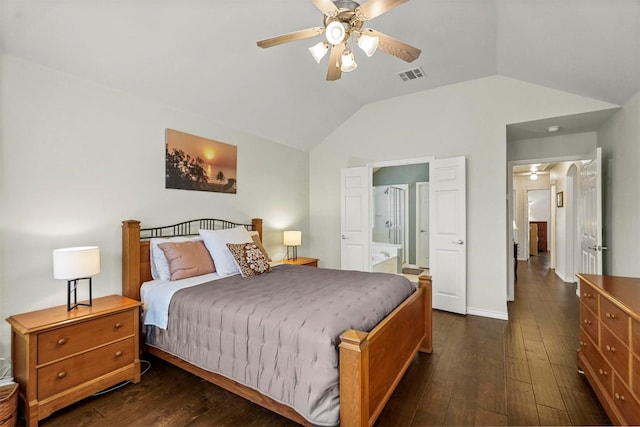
559 175
551 147
620 141
466 119
78 158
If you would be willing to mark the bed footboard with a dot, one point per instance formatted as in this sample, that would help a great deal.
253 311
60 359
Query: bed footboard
372 364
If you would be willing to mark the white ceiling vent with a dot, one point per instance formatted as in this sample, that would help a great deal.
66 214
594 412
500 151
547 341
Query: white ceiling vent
412 74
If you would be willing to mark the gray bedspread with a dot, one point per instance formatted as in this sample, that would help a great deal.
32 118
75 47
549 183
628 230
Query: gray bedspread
278 332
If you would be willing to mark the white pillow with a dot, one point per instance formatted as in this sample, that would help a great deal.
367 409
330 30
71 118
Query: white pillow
216 242
159 264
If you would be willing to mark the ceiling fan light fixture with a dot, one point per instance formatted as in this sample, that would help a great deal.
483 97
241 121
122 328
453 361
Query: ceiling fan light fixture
348 61
533 176
335 32
368 44
319 50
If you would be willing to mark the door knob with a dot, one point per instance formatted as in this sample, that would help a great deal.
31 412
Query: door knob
345 237
458 242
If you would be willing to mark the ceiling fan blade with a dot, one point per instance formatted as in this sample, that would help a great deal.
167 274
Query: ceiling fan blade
326 6
394 46
335 62
373 8
296 35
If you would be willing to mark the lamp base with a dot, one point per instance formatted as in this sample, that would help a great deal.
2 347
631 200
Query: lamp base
292 253
74 291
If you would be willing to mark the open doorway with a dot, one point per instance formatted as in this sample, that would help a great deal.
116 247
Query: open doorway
397 209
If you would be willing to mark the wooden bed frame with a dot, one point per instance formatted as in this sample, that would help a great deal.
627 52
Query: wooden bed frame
371 364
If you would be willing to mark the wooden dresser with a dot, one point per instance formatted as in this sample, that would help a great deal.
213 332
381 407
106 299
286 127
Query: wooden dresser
609 351
60 356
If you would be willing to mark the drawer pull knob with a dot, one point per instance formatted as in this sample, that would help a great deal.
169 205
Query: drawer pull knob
610 316
587 321
61 341
611 348
583 344
118 325
118 353
619 397
605 373
62 374
587 296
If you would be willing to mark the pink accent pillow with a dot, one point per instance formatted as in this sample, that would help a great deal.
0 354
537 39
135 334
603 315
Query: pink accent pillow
187 259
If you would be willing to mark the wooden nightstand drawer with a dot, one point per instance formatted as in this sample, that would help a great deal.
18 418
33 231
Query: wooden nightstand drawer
62 342
615 319
615 351
84 367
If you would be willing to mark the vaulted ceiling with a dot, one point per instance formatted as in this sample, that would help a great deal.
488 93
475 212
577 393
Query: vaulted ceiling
201 55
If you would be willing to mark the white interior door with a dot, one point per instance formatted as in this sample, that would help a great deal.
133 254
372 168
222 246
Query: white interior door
422 215
448 257
354 219
591 215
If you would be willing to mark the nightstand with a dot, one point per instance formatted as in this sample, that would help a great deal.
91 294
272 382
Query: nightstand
60 356
310 262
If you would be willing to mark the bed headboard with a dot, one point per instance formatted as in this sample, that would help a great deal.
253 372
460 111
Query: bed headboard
136 264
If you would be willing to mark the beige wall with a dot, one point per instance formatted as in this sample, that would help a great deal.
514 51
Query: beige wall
466 119
78 158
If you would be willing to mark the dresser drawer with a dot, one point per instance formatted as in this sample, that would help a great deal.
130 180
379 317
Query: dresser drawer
599 365
589 322
616 353
58 343
615 319
628 406
589 297
84 367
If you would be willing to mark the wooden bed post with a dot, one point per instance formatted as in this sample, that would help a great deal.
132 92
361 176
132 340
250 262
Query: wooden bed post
425 282
257 226
354 382
131 259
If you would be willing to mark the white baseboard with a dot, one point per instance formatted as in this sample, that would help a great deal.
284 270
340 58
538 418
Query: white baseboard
488 313
565 278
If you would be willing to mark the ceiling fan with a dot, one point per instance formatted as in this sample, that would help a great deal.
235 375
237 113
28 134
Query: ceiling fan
344 19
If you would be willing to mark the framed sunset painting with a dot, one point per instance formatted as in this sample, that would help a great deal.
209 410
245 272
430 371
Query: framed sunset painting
197 163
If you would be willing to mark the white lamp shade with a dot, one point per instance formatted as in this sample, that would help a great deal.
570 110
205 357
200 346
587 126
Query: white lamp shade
319 50
368 44
76 263
348 62
335 32
292 238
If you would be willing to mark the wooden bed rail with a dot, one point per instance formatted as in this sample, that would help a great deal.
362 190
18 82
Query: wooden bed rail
379 359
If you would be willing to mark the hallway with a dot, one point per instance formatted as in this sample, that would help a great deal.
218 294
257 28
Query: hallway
491 372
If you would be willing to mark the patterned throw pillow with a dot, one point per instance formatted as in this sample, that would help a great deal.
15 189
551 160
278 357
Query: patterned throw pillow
250 259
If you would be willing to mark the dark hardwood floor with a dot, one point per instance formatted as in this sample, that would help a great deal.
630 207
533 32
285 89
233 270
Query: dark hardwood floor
482 372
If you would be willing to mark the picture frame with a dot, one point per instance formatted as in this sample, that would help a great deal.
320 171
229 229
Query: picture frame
560 199
196 163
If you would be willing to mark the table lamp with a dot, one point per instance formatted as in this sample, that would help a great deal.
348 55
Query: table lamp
73 265
292 239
